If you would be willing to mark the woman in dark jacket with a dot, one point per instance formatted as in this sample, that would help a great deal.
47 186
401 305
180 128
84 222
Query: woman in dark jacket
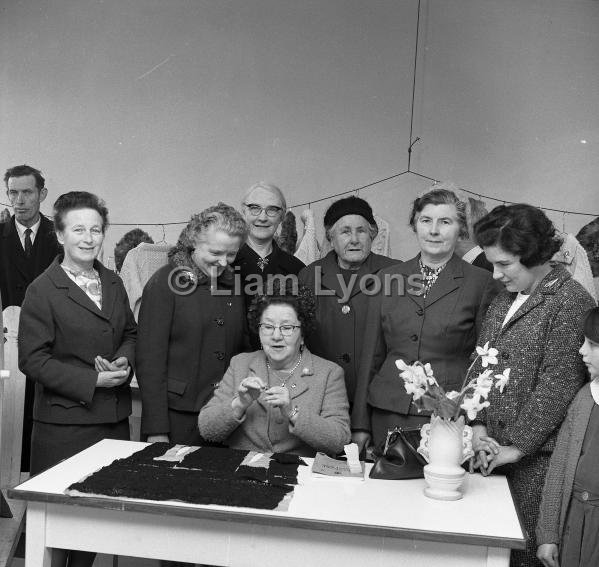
536 325
77 341
430 309
191 322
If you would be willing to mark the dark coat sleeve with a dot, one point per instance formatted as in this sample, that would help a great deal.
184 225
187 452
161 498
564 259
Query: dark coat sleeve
154 328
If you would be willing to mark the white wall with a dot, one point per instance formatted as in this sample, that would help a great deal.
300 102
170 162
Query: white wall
164 107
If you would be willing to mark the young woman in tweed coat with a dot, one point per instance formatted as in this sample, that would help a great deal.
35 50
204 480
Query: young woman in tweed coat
535 324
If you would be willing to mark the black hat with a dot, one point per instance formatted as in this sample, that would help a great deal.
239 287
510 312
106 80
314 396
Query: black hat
348 206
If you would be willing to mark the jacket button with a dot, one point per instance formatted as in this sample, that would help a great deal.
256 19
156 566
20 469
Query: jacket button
505 355
345 357
585 495
419 311
219 322
414 338
219 355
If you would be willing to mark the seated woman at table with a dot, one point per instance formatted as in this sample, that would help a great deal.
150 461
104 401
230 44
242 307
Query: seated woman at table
281 398
535 324
568 523
77 342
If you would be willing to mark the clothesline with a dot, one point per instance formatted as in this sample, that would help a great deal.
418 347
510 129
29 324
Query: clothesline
356 190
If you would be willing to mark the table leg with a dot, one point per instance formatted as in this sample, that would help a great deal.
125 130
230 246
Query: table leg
36 552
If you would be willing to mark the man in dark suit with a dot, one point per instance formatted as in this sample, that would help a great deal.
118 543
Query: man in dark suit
27 247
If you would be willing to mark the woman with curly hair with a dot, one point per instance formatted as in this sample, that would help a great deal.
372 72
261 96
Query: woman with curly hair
190 325
281 398
535 323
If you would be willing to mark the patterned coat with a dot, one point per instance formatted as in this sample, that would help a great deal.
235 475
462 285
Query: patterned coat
540 345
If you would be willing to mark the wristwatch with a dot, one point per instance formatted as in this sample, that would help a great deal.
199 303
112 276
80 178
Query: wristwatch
293 413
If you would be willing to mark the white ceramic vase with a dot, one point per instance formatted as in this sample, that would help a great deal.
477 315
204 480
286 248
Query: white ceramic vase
445 444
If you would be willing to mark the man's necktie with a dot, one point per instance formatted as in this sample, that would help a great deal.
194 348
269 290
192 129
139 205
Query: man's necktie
28 243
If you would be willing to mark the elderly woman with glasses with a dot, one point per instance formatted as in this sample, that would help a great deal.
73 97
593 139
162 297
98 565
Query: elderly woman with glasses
281 398
263 207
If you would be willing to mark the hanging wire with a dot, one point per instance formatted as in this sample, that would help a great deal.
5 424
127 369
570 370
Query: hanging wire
414 89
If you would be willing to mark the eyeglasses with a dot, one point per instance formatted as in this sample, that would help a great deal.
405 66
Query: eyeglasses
256 210
286 330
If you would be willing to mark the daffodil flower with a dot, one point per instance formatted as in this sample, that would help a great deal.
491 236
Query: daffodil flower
487 355
473 404
483 384
502 379
414 389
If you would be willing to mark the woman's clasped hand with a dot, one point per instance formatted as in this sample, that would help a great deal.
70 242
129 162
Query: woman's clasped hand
489 454
111 374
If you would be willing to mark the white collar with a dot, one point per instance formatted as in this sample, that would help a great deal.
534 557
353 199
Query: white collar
595 390
22 228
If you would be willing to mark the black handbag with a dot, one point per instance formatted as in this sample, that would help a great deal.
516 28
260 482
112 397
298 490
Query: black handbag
400 458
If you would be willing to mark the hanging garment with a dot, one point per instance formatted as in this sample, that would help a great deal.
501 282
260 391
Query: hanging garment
308 250
139 266
287 237
382 243
574 257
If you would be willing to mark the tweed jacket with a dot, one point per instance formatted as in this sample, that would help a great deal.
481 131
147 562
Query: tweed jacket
341 310
441 329
540 345
562 469
61 330
17 271
318 391
185 342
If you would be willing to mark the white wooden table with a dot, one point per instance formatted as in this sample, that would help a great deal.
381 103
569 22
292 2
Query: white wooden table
329 522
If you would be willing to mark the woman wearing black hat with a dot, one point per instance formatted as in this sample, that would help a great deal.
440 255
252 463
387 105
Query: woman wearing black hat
436 321
341 282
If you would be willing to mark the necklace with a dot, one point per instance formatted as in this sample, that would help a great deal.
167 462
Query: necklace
429 275
289 372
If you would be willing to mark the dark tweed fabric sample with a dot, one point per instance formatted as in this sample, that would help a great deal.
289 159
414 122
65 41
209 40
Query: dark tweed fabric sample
207 476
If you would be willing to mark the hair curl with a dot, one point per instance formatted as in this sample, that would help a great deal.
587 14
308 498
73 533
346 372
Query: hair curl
521 230
21 171
129 241
220 217
438 195
75 200
299 297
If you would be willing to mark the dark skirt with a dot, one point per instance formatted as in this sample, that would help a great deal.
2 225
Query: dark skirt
580 542
52 443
